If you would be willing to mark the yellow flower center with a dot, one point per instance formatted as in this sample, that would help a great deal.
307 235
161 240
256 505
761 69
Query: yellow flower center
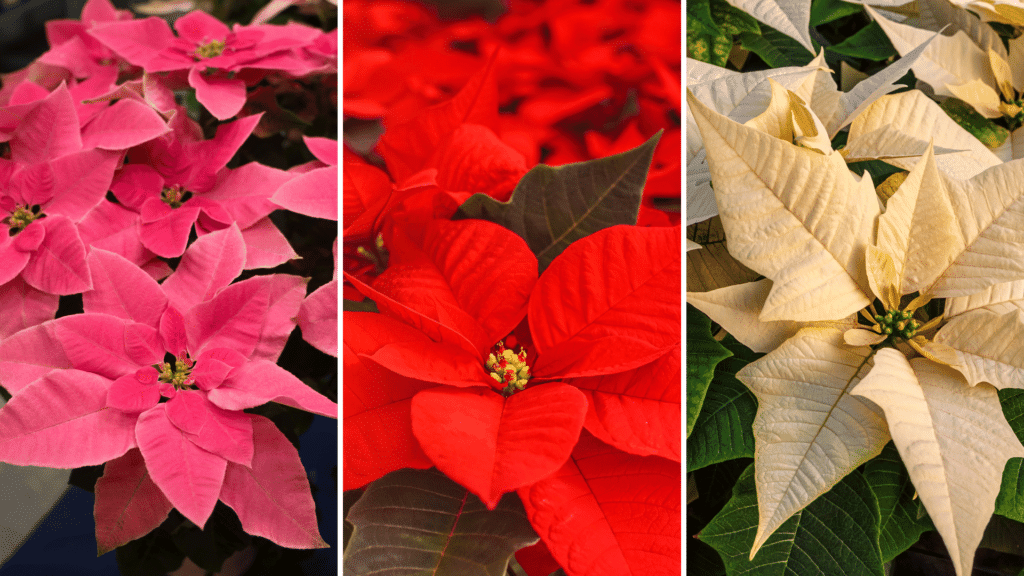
210 49
178 374
21 217
508 368
174 196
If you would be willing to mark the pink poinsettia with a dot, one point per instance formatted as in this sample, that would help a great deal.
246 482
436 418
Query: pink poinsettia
180 180
209 52
72 47
164 372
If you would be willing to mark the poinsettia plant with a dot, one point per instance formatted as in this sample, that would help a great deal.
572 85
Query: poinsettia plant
164 231
511 264
854 290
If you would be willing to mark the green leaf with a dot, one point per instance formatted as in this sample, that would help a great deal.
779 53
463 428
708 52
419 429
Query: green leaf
552 207
1004 535
775 48
890 482
366 305
705 41
731 20
699 12
878 170
1010 501
419 521
837 534
870 43
703 353
824 11
990 133
723 429
702 559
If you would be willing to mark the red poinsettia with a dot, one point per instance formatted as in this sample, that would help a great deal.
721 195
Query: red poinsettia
433 371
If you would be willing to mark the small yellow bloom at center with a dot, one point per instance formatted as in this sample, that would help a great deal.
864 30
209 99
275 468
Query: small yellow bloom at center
508 367
211 49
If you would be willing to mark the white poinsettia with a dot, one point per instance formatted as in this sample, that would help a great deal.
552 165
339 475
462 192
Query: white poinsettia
795 214
971 64
744 95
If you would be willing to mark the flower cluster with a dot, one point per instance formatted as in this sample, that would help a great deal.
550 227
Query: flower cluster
116 185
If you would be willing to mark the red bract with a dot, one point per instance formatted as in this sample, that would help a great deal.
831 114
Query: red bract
465 288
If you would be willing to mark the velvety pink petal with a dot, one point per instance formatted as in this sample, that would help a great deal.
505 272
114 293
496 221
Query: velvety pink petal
272 498
226 434
318 318
81 180
122 289
232 319
621 309
245 191
325 149
30 238
284 297
12 257
432 362
168 236
638 411
26 92
377 399
136 183
106 345
173 332
491 444
62 421
198 26
210 372
96 11
111 227
129 395
125 124
156 268
266 246
33 184
263 381
58 265
209 264
229 138
189 476
23 307
222 97
314 194
607 513
128 504
48 131
137 41
29 354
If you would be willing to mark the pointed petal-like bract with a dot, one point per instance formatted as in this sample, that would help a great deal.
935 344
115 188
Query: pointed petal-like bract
231 319
989 347
262 381
49 130
809 432
638 411
223 97
791 17
106 345
608 513
616 275
80 180
736 308
125 124
318 318
58 264
314 193
999 298
209 264
189 476
491 444
122 289
265 246
918 229
953 439
62 421
227 434
272 497
24 307
128 504
822 219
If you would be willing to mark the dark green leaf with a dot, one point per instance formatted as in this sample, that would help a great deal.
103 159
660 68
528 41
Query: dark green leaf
824 11
699 11
703 353
1010 501
878 170
723 429
775 48
552 207
366 305
419 521
890 482
1012 402
731 20
869 43
990 133
837 534
714 484
702 559
1004 535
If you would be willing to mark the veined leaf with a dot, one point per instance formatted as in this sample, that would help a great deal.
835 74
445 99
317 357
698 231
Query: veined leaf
869 43
825 11
737 308
890 482
999 298
790 17
712 266
809 431
988 347
421 520
1010 501
812 204
837 534
703 353
953 440
776 49
986 131
552 207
